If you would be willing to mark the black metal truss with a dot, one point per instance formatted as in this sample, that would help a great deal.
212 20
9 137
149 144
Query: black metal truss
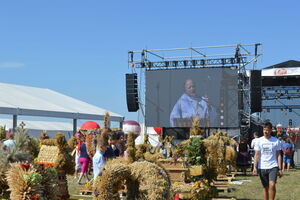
278 107
178 64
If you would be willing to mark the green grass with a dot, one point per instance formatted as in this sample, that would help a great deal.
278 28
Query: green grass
287 187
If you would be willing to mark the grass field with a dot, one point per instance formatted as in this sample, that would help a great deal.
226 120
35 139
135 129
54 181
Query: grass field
288 187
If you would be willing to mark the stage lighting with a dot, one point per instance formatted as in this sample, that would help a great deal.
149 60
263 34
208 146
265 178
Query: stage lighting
223 61
202 62
290 122
232 61
166 63
175 63
149 64
185 63
194 62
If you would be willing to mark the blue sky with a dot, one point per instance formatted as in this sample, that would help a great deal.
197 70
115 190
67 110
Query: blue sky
79 48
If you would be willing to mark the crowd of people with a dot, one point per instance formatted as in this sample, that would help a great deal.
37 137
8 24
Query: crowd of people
105 150
287 140
269 155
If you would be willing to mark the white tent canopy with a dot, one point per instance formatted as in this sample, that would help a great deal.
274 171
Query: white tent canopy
36 127
31 101
40 125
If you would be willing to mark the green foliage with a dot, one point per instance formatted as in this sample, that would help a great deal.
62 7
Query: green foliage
196 152
21 138
33 147
2 133
33 178
52 172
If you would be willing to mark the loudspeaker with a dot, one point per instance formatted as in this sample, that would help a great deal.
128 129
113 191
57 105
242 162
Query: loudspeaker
132 92
255 88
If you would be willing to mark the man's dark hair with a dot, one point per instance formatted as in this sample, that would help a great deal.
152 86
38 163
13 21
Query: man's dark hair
113 135
119 134
268 124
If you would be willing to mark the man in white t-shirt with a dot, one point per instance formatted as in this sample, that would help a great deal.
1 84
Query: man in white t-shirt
254 141
267 161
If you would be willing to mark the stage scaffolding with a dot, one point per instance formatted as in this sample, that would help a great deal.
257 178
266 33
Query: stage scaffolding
239 56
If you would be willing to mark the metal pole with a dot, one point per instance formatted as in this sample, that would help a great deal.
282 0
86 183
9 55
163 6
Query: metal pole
15 122
74 126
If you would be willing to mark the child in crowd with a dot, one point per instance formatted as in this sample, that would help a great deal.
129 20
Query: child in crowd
287 148
121 145
10 142
99 159
112 150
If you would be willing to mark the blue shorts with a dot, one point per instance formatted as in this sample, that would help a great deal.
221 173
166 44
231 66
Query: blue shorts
287 158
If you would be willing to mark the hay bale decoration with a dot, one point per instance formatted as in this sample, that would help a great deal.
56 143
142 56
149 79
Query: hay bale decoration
24 183
54 152
195 130
144 180
220 152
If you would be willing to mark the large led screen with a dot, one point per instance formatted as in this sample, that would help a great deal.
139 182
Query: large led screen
175 97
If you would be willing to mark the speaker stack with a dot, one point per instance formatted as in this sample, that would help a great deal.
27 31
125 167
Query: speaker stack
256 94
132 92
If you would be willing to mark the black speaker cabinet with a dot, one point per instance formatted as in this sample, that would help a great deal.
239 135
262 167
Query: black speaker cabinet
132 92
256 94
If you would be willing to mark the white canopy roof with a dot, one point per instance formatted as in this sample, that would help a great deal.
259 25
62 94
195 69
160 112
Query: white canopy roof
32 101
40 125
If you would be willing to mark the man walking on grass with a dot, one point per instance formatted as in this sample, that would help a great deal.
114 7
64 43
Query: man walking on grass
267 161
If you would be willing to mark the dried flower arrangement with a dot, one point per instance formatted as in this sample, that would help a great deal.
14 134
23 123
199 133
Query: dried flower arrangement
219 147
195 130
32 182
20 152
55 152
24 183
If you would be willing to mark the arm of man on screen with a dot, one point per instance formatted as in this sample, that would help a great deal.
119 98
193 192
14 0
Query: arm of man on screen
176 112
189 107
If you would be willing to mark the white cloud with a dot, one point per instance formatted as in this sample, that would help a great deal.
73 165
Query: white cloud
11 65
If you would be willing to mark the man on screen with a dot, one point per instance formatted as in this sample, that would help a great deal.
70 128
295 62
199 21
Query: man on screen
190 106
